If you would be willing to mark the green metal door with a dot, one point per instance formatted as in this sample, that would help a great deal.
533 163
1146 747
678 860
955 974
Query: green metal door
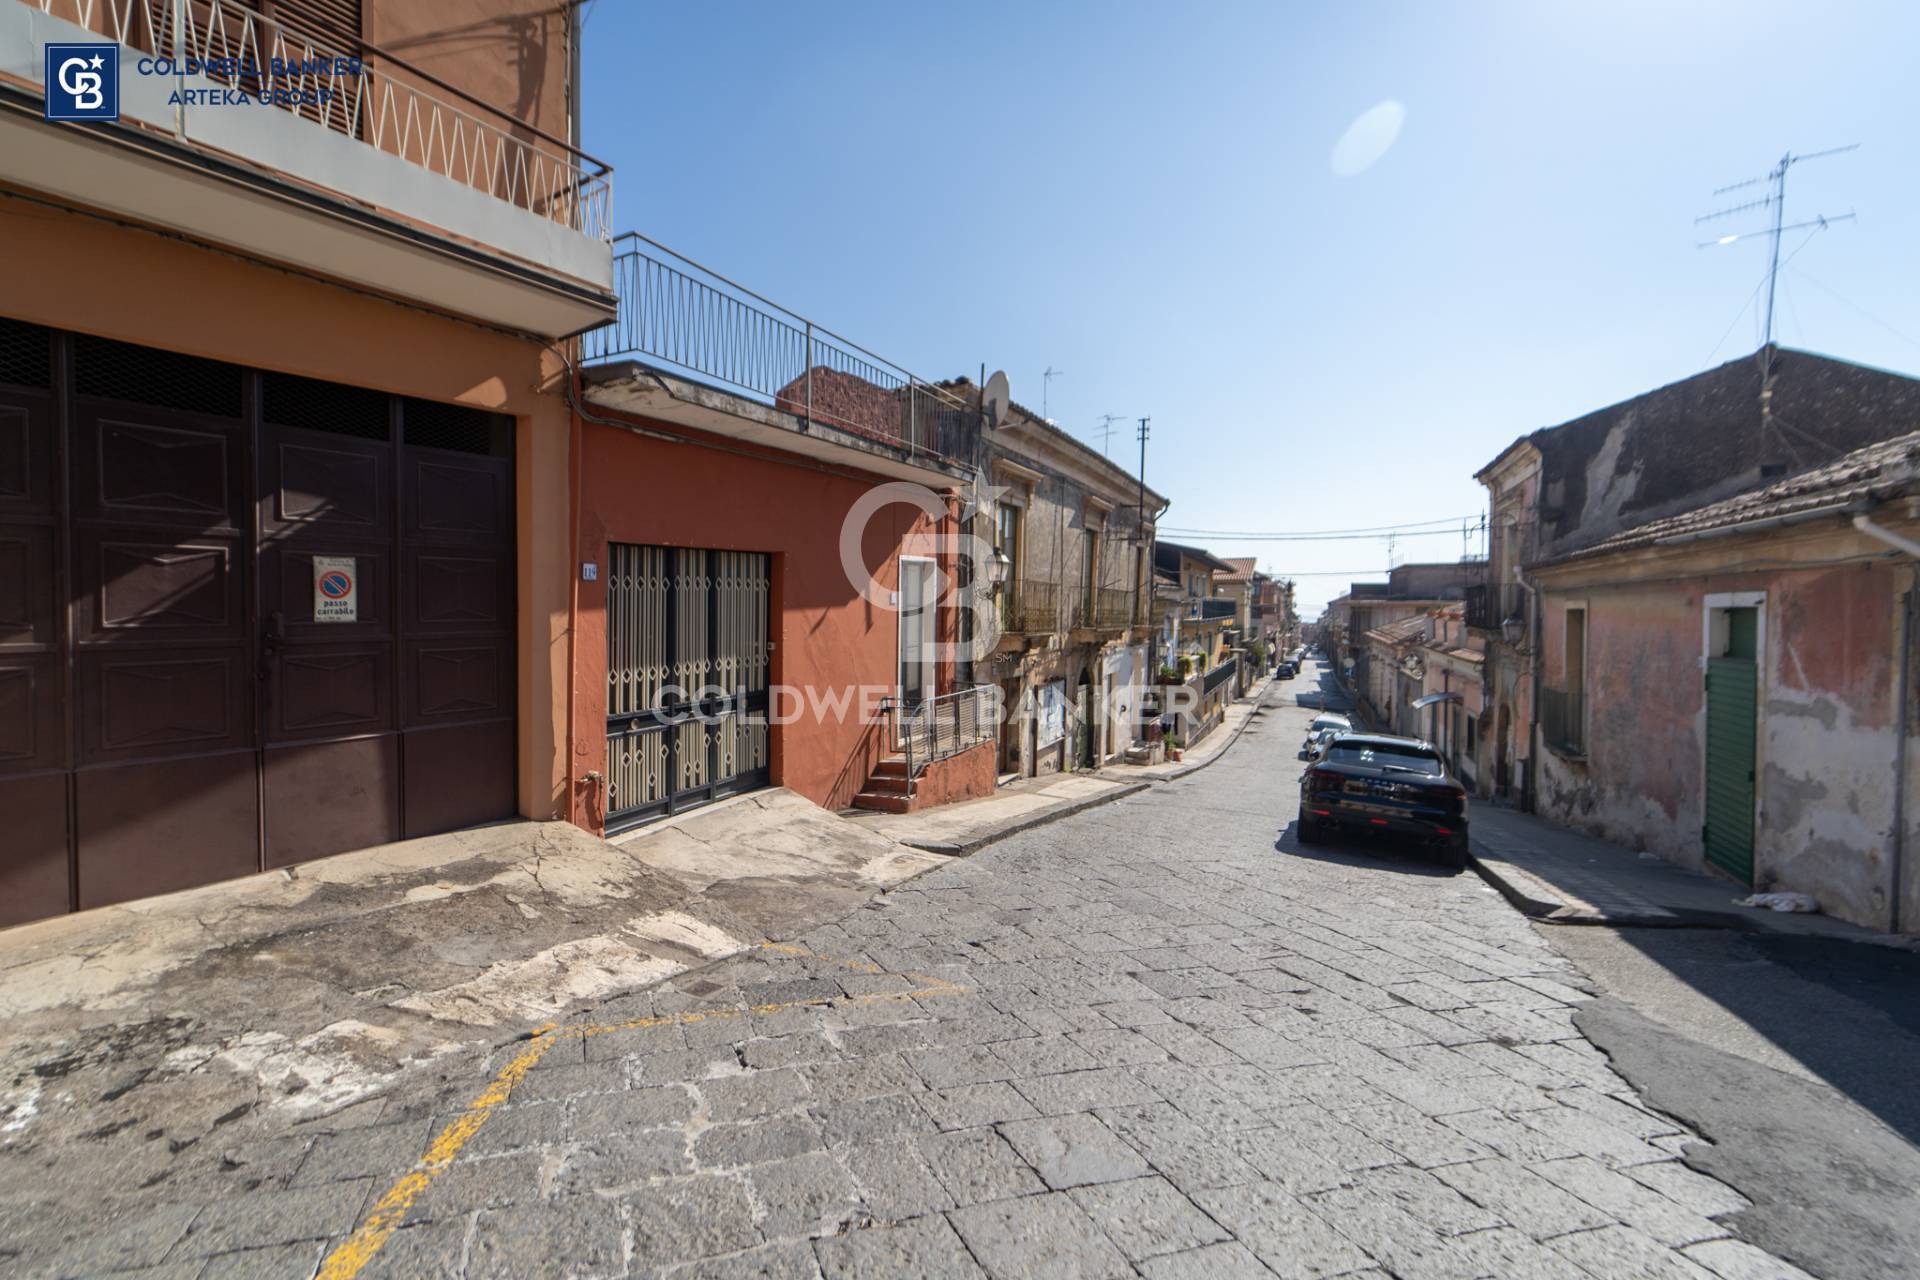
1728 834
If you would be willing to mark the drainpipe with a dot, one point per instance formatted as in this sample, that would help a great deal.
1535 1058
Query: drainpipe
1533 703
574 17
1897 853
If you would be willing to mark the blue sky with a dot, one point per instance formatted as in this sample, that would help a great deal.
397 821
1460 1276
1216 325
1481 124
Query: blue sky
1143 196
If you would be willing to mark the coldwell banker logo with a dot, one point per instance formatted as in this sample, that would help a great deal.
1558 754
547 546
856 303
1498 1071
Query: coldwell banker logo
83 82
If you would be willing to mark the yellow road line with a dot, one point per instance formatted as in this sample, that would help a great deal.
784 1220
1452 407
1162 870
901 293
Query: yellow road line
358 1249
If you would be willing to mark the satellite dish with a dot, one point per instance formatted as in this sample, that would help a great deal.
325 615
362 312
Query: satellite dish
998 397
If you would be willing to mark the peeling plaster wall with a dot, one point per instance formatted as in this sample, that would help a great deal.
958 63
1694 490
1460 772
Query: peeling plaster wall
1829 739
1700 440
1640 782
1825 745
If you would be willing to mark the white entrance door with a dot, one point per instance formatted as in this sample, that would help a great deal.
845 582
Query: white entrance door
916 629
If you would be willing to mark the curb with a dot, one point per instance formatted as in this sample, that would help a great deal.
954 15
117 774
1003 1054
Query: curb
1014 826
1535 899
1531 896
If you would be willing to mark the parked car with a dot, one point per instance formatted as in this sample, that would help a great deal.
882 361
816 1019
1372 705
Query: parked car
1287 670
1377 782
1317 742
1327 722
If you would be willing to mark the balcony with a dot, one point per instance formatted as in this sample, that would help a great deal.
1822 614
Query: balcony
1497 607
680 319
1030 607
1104 609
1563 721
1204 610
339 158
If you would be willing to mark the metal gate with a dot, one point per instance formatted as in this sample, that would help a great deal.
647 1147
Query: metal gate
686 678
175 707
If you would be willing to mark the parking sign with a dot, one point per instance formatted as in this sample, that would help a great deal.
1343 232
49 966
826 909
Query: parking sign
336 589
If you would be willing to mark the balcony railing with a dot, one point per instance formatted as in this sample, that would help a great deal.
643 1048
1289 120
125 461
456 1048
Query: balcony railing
1563 720
1203 610
1490 604
1030 607
692 319
1104 608
362 92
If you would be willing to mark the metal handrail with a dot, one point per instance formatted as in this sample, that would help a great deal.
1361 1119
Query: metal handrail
692 318
364 92
967 720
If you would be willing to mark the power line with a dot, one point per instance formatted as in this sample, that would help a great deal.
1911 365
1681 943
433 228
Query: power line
1321 573
1857 309
1330 537
1371 528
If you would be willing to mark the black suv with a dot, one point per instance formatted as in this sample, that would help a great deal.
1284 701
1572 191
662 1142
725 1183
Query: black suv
1378 782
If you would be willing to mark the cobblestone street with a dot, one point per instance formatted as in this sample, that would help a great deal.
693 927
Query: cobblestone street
1155 1038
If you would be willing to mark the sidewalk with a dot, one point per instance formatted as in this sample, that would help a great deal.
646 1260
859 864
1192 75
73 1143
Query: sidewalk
962 828
233 1015
1238 713
973 824
1565 877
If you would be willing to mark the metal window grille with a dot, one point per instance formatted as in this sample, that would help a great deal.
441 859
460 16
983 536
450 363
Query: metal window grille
429 424
26 354
289 401
144 375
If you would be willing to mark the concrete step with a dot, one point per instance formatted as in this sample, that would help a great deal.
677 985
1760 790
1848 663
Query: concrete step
883 801
888 785
891 767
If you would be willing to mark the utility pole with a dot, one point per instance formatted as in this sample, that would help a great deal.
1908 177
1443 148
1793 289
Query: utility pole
1143 476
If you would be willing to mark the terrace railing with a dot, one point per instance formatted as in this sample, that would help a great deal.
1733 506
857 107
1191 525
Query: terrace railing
362 91
689 318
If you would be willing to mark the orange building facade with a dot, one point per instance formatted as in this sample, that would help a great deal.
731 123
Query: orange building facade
253 354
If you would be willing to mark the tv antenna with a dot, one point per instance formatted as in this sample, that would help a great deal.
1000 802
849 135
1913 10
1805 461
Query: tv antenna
1105 429
1046 385
1774 201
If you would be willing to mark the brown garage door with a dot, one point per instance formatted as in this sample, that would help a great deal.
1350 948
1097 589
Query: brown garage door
245 620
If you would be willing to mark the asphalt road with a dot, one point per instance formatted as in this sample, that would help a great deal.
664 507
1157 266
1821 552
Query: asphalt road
1795 1055
1158 1038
